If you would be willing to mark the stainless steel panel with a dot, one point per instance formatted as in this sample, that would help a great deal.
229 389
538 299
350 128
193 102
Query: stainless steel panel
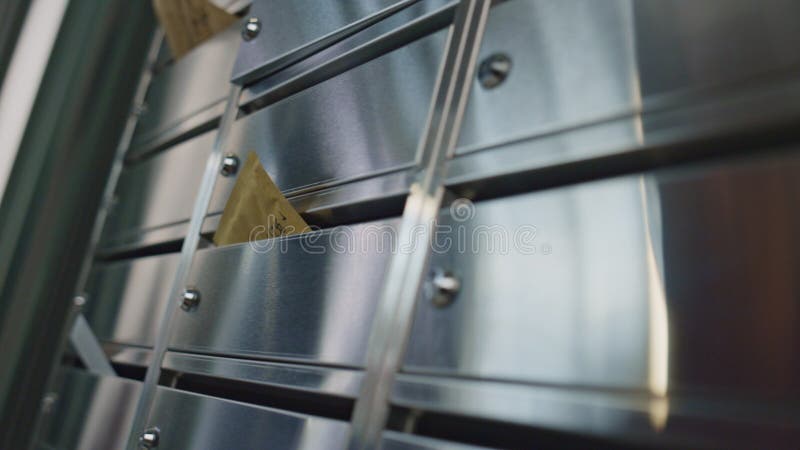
157 192
195 83
364 122
579 61
617 416
126 298
325 380
124 354
293 29
89 411
761 108
671 280
398 441
305 298
421 19
191 421
113 246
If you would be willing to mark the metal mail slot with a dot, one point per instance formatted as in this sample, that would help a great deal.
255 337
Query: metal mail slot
364 122
127 298
309 298
285 31
77 416
575 62
324 380
187 94
665 279
158 191
392 440
191 421
622 418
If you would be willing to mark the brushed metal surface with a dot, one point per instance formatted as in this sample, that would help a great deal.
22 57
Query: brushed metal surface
325 380
158 192
635 419
196 82
136 239
128 355
293 29
671 280
422 18
178 284
406 270
761 108
124 298
301 300
191 421
364 122
90 411
393 440
579 61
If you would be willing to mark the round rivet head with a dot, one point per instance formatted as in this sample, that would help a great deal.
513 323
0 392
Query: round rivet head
190 299
251 28
149 438
494 70
230 165
443 287
79 301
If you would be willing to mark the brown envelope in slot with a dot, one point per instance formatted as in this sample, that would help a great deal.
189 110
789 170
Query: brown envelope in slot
187 23
256 209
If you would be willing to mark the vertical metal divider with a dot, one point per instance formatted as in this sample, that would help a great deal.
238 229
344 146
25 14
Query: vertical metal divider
407 271
188 249
74 324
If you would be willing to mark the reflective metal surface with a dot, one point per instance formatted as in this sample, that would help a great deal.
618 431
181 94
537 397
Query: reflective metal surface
309 298
126 298
88 348
158 191
191 421
620 417
421 19
361 123
338 382
405 273
132 356
294 29
670 281
398 441
195 83
188 248
579 61
89 411
762 108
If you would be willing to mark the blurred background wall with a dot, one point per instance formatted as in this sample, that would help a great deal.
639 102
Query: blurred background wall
55 183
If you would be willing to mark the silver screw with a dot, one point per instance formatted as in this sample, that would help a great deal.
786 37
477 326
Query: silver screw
190 300
230 165
149 438
251 28
48 402
140 110
79 301
444 286
494 70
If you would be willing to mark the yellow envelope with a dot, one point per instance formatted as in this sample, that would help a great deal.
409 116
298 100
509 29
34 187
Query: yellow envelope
190 22
256 209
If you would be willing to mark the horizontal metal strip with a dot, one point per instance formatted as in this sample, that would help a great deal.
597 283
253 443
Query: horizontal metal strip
423 18
689 421
292 30
323 380
730 125
189 420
